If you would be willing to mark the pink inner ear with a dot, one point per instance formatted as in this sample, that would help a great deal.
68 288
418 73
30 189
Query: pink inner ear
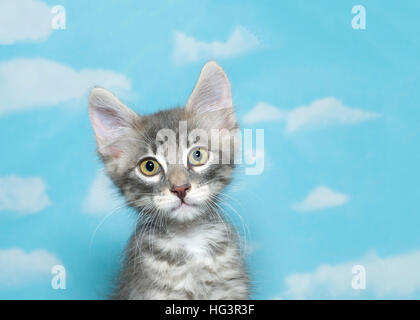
227 123
106 123
226 99
114 152
108 126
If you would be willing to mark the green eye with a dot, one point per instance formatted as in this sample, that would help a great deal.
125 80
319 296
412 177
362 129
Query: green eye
198 157
149 167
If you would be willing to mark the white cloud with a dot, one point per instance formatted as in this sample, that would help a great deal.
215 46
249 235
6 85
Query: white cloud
23 195
188 49
18 267
24 20
31 83
102 196
263 112
319 198
320 113
323 112
396 276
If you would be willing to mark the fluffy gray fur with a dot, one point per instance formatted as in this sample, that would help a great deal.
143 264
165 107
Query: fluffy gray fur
187 253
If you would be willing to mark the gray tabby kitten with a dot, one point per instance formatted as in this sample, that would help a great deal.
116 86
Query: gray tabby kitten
182 248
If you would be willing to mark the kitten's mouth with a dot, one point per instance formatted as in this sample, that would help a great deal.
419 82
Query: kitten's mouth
183 204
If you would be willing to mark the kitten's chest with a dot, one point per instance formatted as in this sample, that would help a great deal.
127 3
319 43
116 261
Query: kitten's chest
192 264
198 244
199 263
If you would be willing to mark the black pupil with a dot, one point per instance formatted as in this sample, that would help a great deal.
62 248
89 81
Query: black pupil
150 166
197 155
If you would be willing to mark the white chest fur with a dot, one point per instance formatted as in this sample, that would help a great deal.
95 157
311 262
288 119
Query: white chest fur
195 242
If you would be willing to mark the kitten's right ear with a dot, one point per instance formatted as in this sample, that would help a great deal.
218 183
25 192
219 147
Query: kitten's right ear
211 99
111 119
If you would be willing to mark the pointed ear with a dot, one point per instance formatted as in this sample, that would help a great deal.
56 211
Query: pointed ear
111 119
211 100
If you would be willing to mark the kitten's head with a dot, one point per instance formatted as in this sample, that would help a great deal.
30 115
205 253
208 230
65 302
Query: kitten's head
177 178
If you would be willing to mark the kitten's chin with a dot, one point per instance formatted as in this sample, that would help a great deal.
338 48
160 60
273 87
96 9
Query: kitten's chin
184 212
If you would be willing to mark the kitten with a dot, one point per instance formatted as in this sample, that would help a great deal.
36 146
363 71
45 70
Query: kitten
182 248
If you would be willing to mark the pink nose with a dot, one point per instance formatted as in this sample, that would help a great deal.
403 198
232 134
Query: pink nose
181 191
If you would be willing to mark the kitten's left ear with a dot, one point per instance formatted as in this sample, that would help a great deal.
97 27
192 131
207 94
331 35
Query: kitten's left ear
211 98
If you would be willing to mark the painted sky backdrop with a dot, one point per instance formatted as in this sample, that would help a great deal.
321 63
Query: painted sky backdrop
339 108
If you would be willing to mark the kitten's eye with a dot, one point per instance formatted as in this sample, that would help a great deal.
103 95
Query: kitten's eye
149 167
198 157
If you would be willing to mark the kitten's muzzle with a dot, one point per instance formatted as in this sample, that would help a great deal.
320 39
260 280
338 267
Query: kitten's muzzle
181 191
